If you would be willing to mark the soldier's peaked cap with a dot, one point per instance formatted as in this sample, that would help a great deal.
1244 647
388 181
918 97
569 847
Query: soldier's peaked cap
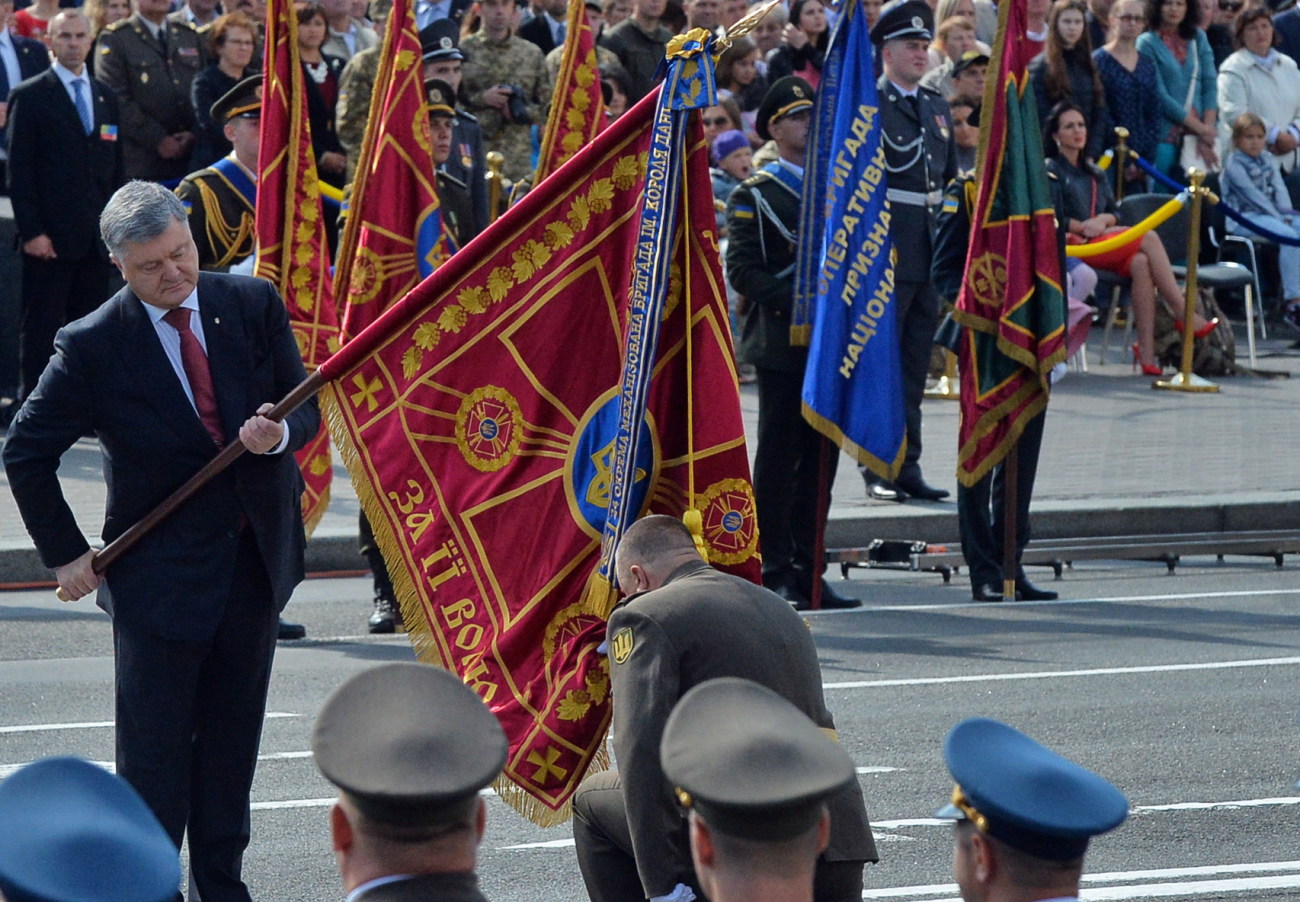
1024 794
787 95
243 101
749 762
904 19
438 41
410 744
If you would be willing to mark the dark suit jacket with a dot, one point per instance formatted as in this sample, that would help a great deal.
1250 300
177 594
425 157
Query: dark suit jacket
700 625
33 59
59 177
111 376
538 31
427 888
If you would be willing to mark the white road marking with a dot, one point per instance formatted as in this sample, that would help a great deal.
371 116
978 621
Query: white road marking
1060 602
1054 674
93 724
878 770
1129 885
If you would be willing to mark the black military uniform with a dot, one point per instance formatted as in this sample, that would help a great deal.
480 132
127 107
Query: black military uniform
467 164
222 198
699 625
152 77
409 746
453 194
762 222
920 159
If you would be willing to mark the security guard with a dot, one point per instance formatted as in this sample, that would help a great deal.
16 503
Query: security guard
762 222
222 198
1024 815
684 623
920 160
443 60
150 62
453 194
755 774
75 831
409 746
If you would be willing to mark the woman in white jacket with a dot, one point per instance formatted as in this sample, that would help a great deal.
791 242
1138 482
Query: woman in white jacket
1258 79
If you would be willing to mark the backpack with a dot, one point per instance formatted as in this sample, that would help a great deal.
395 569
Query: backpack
1214 355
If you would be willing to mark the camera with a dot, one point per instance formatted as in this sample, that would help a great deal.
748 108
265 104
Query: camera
518 111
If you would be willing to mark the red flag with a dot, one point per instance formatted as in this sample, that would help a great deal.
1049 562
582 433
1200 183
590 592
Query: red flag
1011 299
292 252
478 417
394 235
578 109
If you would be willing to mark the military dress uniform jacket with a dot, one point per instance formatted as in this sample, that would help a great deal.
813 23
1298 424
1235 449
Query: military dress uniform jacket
153 90
700 625
762 225
221 201
921 159
457 208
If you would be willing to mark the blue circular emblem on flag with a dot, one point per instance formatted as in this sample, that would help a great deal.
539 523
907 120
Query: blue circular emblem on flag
591 465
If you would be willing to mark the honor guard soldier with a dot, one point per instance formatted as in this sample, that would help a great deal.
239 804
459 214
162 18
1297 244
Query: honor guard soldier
150 61
920 160
1024 815
443 60
762 222
222 198
73 831
409 746
755 774
453 194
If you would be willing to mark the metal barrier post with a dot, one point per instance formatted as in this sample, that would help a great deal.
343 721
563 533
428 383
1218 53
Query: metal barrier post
1121 160
495 160
1186 380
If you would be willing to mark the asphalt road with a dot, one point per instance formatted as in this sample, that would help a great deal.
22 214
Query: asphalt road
1180 689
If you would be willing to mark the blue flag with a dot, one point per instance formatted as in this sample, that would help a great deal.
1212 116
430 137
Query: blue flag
844 278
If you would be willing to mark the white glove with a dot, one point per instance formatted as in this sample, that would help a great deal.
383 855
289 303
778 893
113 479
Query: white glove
681 893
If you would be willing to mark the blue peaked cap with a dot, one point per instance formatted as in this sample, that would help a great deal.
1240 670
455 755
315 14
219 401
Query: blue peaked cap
1024 794
76 833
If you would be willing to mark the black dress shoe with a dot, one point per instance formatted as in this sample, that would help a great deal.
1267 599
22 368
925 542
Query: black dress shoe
883 491
919 488
387 616
985 593
291 631
791 594
1027 591
832 600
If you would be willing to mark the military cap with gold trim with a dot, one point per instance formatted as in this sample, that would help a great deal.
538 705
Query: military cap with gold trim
76 833
1025 794
902 19
438 41
751 764
787 95
409 744
440 99
243 101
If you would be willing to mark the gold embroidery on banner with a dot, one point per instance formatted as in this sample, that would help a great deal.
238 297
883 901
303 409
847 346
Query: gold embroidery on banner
547 767
365 393
488 426
988 279
730 526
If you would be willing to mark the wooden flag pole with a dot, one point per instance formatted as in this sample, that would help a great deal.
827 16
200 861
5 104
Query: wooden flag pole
1010 501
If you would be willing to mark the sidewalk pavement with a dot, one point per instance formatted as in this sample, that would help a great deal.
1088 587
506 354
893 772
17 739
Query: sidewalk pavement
1118 458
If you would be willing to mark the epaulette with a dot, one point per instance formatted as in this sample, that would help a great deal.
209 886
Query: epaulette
757 179
930 90
116 26
1052 175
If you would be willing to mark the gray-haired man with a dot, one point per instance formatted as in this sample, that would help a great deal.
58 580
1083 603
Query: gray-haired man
164 373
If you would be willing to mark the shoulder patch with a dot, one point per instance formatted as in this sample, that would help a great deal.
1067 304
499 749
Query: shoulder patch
620 647
758 178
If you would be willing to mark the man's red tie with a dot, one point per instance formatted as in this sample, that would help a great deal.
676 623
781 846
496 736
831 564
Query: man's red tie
197 372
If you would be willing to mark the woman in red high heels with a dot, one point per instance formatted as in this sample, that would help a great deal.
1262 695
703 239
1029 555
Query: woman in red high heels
1090 215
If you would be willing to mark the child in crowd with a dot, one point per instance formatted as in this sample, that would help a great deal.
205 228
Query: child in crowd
735 160
1252 184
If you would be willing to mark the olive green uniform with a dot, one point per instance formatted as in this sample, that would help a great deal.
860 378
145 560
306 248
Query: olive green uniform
153 89
516 63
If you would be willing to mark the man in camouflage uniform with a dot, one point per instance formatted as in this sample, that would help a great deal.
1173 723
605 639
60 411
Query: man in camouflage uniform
506 86
150 61
222 198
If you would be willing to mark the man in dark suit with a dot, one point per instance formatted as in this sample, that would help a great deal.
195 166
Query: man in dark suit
150 61
547 29
920 160
64 163
684 623
20 59
170 368
407 826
